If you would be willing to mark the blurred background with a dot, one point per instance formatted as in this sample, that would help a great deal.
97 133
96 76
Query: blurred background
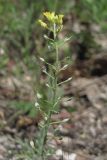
22 43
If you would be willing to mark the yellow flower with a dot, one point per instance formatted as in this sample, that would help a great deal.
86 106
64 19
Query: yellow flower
60 18
43 24
50 16
52 21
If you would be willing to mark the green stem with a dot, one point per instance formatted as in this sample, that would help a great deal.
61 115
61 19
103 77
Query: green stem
48 121
57 65
55 78
57 58
44 135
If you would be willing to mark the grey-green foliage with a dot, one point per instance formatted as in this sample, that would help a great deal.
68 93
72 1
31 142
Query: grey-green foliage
17 19
17 27
25 107
17 22
91 10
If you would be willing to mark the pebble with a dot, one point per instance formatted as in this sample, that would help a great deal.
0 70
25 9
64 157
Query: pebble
65 155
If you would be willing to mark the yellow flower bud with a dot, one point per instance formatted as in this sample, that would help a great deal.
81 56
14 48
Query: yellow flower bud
60 18
43 24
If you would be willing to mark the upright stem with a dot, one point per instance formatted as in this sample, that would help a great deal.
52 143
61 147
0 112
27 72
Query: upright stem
56 64
44 136
57 69
47 122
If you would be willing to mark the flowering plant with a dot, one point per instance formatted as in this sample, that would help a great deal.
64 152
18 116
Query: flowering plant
54 24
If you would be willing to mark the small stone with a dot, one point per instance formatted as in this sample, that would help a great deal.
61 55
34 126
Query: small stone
66 141
104 119
65 155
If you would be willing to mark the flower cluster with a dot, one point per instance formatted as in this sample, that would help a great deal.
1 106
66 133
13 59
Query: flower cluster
53 22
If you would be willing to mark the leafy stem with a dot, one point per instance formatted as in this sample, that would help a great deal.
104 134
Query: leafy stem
47 122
